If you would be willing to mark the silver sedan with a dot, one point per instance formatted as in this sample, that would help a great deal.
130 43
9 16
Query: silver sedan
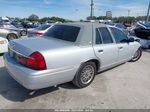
69 52
39 31
9 32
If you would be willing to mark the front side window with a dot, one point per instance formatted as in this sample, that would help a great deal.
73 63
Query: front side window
63 32
106 37
119 36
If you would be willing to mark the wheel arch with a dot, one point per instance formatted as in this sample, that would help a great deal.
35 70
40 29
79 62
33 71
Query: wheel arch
96 61
76 77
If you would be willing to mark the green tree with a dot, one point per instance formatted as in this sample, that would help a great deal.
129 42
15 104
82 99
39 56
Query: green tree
92 18
141 18
52 19
44 19
102 18
33 17
81 20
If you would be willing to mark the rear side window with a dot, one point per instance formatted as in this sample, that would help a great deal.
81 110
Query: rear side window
63 32
120 37
106 37
98 37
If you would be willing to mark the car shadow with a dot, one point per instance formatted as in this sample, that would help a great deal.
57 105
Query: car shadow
13 91
1 54
146 50
68 85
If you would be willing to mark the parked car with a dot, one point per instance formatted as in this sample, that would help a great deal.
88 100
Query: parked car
142 31
36 24
145 43
69 52
39 31
4 20
49 22
8 32
3 45
20 27
121 26
128 25
27 24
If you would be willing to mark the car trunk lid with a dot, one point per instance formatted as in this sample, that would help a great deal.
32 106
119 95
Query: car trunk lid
40 44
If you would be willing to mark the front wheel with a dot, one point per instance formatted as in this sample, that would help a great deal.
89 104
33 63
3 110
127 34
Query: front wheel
85 75
137 55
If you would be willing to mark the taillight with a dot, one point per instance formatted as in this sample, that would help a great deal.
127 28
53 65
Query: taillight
36 33
35 61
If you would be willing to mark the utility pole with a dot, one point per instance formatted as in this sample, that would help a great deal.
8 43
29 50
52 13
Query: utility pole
147 18
129 13
129 16
92 9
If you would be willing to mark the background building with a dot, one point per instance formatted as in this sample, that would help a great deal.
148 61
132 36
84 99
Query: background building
108 14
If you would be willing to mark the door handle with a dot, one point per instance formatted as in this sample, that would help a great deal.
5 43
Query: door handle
100 51
120 47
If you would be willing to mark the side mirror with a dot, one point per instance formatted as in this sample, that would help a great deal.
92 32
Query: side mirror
131 40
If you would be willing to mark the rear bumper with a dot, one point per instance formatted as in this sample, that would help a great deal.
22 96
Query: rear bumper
32 79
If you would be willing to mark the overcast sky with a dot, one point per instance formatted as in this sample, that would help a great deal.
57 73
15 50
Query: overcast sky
71 9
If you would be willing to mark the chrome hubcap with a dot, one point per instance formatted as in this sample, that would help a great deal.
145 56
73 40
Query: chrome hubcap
11 37
87 74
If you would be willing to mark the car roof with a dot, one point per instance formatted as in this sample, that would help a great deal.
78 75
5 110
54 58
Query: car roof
87 24
85 36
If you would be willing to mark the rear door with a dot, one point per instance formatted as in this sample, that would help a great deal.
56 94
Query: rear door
105 48
123 46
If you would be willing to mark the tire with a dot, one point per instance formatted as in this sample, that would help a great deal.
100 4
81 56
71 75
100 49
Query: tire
137 55
85 75
11 36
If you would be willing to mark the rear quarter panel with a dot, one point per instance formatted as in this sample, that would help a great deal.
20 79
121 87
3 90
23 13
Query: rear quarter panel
68 57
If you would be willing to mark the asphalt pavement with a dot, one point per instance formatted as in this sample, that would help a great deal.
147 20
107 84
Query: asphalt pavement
124 87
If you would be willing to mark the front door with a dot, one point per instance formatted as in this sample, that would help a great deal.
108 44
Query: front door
123 46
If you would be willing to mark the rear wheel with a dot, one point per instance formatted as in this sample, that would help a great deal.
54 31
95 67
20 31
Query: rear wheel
11 36
137 55
85 75
23 33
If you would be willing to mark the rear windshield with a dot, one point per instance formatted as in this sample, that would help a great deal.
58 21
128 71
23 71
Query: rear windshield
63 32
43 27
